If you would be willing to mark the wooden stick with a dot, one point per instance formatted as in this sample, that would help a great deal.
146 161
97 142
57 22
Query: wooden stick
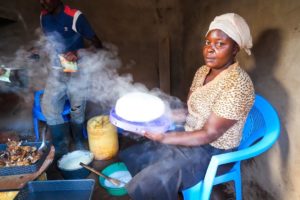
114 181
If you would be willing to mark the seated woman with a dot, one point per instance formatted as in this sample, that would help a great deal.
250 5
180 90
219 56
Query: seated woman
220 99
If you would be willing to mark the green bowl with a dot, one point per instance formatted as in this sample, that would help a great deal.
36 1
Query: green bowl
115 167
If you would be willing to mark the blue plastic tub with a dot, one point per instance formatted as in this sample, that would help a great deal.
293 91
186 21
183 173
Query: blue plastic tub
57 190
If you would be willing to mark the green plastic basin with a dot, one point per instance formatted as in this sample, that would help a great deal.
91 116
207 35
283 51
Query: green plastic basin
115 167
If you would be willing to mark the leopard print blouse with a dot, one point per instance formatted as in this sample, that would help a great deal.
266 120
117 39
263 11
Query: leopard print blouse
229 95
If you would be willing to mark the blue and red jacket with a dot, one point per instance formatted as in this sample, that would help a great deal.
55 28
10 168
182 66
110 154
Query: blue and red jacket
66 29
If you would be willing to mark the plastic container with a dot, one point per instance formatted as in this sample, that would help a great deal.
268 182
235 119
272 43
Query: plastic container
14 170
57 190
109 170
69 164
102 137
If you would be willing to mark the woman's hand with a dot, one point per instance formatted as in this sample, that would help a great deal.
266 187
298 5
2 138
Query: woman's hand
158 137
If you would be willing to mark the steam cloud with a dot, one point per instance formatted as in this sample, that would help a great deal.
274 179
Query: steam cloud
104 83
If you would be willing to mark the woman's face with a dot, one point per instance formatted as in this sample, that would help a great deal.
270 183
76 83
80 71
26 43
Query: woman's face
219 50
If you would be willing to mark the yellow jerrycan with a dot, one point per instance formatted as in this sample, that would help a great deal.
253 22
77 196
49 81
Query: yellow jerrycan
102 137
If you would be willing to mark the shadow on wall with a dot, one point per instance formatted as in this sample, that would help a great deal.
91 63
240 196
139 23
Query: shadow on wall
266 52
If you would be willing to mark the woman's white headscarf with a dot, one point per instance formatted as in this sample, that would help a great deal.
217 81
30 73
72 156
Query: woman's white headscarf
235 27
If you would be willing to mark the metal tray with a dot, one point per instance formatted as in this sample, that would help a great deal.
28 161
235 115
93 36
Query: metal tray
8 171
80 189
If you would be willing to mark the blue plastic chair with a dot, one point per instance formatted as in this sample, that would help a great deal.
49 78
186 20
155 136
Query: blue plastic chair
262 128
38 114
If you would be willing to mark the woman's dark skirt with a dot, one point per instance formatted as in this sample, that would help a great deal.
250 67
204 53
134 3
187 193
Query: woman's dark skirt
159 171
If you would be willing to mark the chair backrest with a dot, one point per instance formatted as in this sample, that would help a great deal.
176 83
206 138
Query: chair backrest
261 122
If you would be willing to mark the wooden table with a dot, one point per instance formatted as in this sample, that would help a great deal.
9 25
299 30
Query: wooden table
16 182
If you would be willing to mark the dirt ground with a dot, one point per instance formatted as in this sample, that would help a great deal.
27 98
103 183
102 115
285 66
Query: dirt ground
219 193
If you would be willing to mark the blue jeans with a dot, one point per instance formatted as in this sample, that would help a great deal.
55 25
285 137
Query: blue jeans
60 87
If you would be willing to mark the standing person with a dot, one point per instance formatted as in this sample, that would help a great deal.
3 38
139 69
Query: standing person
65 30
220 99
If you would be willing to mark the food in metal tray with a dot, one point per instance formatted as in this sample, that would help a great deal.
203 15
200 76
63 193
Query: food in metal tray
18 155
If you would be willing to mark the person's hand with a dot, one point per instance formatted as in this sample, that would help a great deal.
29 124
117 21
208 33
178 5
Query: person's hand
158 137
2 71
71 56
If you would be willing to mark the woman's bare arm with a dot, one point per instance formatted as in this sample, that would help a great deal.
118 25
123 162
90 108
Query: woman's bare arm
214 127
